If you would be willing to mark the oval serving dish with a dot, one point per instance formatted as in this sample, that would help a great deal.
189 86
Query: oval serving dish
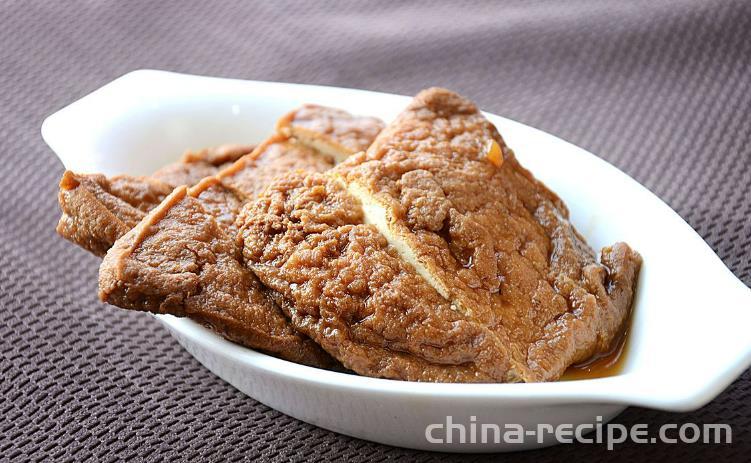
689 337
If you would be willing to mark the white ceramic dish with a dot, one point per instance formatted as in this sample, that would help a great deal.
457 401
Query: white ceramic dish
690 334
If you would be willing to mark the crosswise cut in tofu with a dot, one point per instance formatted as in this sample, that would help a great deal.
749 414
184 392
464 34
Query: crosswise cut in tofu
491 245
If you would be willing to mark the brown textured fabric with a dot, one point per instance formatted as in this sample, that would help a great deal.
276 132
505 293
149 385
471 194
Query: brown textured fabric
660 89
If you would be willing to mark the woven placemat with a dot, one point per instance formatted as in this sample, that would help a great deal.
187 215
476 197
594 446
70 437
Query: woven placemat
660 89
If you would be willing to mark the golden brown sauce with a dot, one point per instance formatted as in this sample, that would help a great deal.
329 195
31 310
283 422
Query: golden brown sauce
604 364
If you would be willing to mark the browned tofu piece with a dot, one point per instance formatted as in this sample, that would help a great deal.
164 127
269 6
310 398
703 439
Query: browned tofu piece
97 210
331 131
179 260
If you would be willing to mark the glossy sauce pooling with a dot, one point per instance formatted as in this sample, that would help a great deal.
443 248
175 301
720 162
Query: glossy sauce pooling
602 365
